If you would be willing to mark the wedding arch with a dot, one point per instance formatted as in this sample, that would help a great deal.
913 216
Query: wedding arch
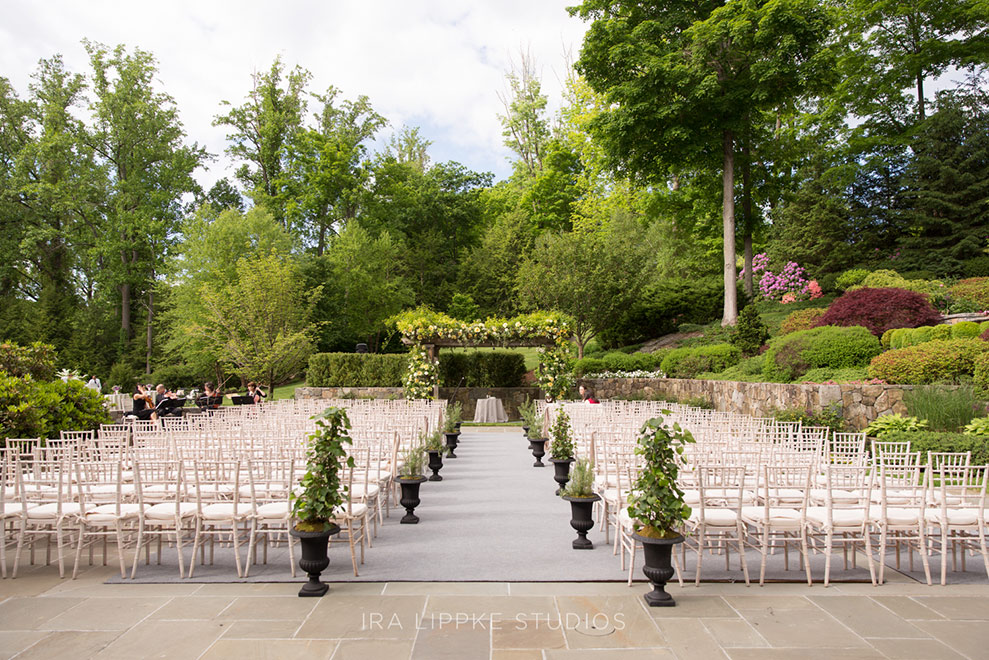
427 332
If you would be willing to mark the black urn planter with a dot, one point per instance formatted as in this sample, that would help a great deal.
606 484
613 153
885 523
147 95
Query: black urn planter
410 498
314 558
452 440
538 447
435 463
581 519
458 426
658 568
561 472
525 431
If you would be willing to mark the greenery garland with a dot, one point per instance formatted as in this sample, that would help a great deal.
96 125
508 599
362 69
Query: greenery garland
422 326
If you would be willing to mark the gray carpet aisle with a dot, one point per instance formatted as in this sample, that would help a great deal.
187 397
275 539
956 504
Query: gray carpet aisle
494 517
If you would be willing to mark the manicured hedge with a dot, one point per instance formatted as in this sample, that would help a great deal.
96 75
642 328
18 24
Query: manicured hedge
931 362
880 310
980 376
482 369
829 347
476 369
689 362
937 441
620 362
356 370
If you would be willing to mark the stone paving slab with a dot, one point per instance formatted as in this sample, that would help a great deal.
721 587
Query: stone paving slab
41 618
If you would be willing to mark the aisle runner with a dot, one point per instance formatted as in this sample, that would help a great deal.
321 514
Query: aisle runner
493 518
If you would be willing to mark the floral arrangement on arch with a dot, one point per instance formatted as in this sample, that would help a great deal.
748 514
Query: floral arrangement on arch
423 326
554 373
787 286
421 378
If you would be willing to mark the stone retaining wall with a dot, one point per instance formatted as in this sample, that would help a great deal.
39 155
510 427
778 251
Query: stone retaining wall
860 404
511 397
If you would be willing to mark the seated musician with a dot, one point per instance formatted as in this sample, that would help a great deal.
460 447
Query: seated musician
253 391
210 398
167 402
144 407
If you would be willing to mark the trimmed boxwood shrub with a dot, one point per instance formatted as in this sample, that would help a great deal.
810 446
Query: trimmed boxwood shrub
940 441
802 319
688 362
826 374
965 330
941 331
880 309
616 361
851 278
356 370
832 347
974 290
980 376
931 362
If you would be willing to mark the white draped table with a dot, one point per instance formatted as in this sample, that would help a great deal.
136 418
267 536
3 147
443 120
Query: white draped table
489 410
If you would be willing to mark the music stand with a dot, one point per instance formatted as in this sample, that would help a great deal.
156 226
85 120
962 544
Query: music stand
242 400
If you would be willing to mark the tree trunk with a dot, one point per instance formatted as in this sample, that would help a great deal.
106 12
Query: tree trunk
150 343
920 95
747 212
728 218
125 328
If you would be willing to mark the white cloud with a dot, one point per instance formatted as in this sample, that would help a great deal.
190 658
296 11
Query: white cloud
436 64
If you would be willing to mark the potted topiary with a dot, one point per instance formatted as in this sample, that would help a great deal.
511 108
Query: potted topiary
579 492
451 426
561 449
656 503
537 444
527 411
315 506
433 446
410 477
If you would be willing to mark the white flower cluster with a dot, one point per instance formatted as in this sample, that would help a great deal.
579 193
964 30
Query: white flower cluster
626 374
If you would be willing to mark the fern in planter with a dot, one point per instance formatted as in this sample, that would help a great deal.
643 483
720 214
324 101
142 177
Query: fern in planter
413 463
656 502
562 447
454 415
581 482
322 492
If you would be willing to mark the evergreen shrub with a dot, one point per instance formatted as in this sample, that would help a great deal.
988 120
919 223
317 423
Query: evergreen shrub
833 347
689 362
931 362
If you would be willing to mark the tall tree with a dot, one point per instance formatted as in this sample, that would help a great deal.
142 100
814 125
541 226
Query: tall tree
260 322
327 167
899 45
590 275
408 146
261 129
526 129
139 141
682 76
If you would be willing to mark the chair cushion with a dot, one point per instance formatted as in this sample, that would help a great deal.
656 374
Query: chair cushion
356 511
898 517
166 510
223 511
838 495
108 513
274 510
840 518
778 516
50 511
715 517
956 517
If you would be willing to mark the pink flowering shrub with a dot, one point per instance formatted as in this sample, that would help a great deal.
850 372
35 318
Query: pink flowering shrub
814 289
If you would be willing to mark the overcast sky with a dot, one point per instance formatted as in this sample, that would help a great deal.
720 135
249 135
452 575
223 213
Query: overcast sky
436 64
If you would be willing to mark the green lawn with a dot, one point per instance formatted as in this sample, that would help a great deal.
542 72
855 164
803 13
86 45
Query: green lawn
287 391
